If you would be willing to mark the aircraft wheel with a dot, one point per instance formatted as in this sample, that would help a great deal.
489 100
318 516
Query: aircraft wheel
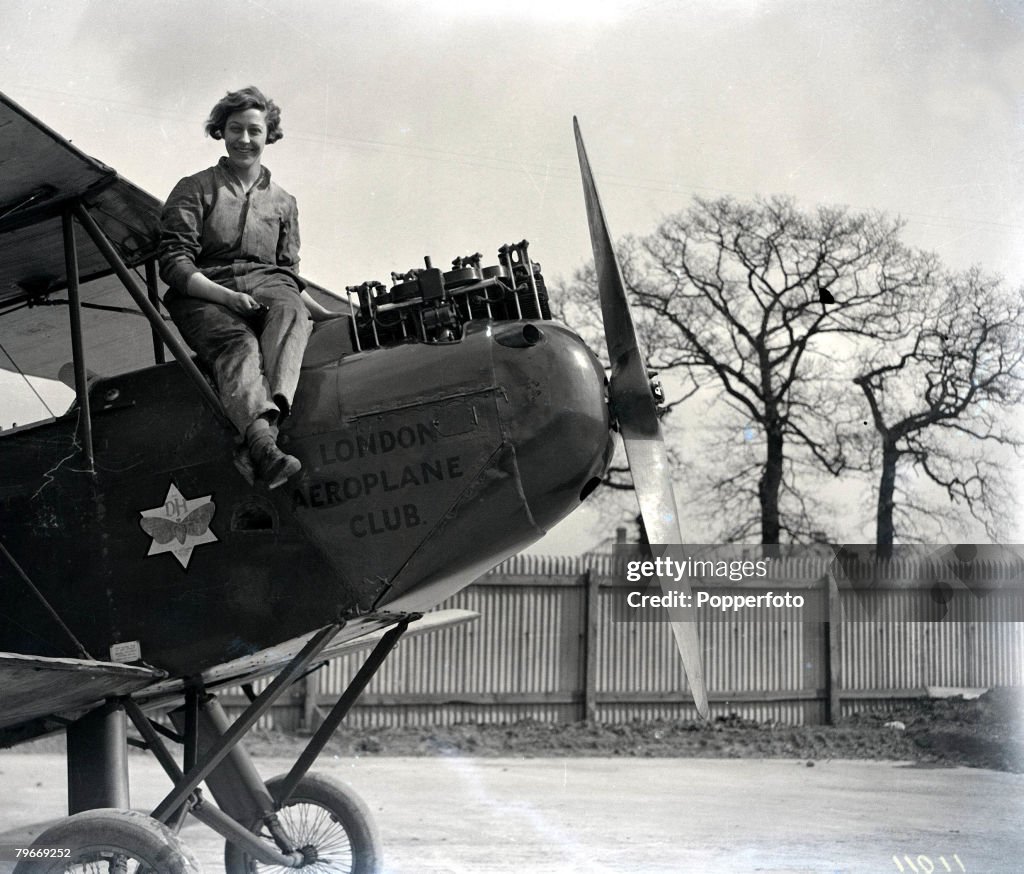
324 814
111 841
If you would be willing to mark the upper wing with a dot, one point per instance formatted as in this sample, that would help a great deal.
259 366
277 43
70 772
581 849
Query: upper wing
42 173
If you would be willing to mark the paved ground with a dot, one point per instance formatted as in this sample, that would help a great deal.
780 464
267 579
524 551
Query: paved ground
462 815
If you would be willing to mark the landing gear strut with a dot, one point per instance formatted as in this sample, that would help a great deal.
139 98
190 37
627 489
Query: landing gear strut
297 820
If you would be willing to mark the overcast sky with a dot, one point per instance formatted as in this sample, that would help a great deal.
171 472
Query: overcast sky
444 128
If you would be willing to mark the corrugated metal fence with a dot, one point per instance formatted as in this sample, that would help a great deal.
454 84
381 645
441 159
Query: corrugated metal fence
548 646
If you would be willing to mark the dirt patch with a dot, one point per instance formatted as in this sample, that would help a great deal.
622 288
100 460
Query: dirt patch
987 732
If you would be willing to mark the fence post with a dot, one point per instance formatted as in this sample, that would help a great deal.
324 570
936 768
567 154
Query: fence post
590 633
834 653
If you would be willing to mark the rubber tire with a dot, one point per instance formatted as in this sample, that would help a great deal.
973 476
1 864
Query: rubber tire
92 833
342 804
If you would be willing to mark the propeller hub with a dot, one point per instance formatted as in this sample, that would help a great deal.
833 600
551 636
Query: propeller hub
657 392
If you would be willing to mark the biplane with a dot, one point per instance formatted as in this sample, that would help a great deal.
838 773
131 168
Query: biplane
444 423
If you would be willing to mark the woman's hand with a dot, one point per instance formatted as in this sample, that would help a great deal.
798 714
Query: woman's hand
206 289
242 303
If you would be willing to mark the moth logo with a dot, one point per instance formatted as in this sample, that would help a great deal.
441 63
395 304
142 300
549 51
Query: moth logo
179 525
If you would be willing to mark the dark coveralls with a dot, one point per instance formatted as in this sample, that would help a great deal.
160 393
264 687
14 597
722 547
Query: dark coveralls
247 242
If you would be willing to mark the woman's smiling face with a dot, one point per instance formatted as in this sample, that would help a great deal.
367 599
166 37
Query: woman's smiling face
245 135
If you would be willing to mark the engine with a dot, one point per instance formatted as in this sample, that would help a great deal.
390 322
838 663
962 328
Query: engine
431 305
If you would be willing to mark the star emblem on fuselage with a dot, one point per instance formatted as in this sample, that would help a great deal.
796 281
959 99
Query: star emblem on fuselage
179 525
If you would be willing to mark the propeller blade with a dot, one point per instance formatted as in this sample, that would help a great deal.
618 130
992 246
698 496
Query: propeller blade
633 406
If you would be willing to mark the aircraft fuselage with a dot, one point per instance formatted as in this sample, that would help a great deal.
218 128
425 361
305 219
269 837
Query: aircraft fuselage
424 464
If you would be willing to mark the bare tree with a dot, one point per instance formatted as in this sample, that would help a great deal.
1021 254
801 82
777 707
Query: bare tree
741 298
938 397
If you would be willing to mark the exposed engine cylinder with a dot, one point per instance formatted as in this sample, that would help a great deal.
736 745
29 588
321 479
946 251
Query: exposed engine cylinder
431 305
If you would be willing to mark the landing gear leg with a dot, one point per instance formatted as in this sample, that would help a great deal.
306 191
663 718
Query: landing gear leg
98 760
102 835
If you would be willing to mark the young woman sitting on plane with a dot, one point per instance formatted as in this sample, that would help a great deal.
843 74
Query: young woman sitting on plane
229 252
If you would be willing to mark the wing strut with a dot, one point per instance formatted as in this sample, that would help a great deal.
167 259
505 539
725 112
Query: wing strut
340 710
77 353
154 298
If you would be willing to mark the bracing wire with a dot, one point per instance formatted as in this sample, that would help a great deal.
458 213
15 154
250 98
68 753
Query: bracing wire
28 382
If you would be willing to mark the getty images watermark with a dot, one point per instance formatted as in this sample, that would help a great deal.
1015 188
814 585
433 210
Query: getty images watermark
709 582
681 582
670 574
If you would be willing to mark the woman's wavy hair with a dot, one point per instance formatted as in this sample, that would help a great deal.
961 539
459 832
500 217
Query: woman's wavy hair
249 97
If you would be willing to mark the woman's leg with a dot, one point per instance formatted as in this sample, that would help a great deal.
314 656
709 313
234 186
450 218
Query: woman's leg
286 330
230 350
271 464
